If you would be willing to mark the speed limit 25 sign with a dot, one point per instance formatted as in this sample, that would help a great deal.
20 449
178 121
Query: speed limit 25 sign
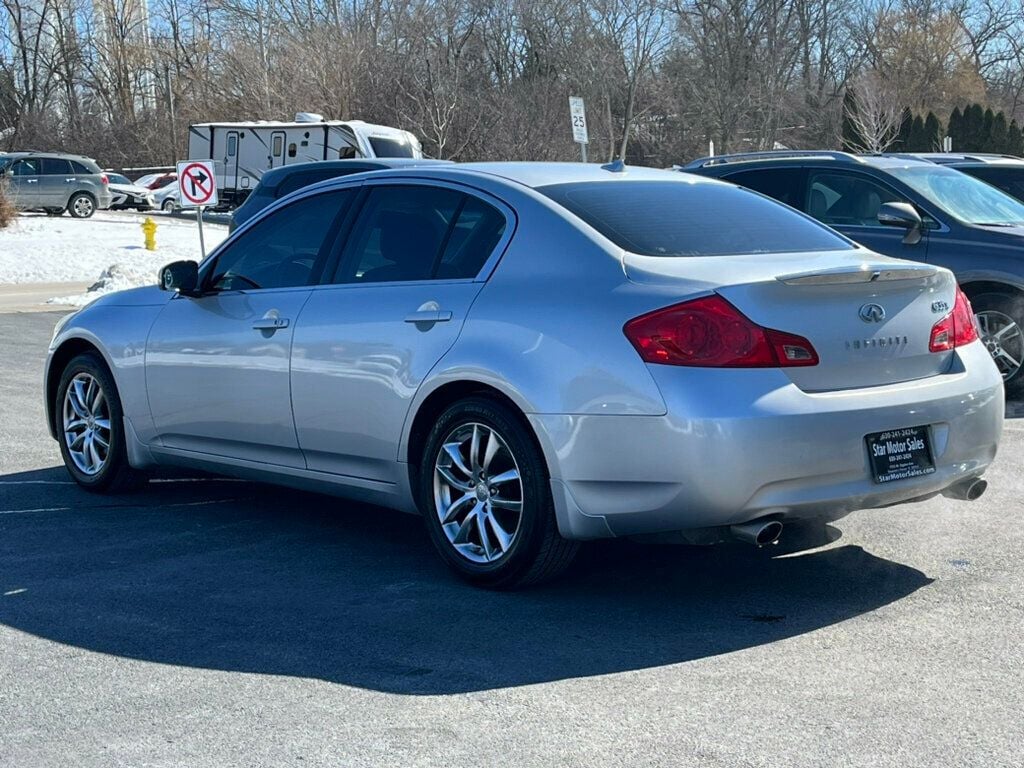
578 115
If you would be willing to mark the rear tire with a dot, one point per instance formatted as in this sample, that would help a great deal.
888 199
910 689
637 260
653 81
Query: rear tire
167 206
90 427
1001 326
490 515
81 205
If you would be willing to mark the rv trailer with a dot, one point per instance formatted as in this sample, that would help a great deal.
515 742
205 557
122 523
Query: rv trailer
242 151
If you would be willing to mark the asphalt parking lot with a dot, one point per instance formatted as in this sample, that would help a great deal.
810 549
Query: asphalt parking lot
210 622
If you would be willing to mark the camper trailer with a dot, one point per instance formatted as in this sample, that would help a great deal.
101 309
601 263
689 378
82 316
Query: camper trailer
241 152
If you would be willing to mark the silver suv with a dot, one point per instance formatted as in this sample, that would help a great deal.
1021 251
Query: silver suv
55 183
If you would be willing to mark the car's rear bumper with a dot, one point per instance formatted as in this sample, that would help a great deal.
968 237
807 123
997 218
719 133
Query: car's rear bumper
740 445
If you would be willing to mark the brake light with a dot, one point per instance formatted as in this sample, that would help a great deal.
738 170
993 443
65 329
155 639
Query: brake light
104 179
710 332
956 329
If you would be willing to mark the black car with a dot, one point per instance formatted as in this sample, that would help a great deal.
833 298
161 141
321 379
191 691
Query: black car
909 208
278 182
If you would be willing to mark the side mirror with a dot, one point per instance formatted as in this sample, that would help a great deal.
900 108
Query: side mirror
181 277
902 215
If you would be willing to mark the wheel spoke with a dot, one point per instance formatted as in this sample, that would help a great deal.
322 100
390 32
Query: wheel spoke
485 538
453 481
503 537
1009 358
509 504
78 441
505 477
94 455
76 396
452 449
101 441
74 425
474 449
462 537
489 450
456 507
103 424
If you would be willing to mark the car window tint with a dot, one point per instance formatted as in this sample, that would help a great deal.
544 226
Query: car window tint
691 218
26 168
54 166
477 231
1010 180
784 184
399 235
847 199
299 180
282 250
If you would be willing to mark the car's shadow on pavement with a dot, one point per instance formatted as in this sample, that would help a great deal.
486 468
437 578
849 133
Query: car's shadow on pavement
241 577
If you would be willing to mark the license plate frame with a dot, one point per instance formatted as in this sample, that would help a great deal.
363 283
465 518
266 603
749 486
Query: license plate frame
900 454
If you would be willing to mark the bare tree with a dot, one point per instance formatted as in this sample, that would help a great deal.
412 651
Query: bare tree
877 113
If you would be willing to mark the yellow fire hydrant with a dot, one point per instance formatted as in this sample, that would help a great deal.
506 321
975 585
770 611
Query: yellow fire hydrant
149 230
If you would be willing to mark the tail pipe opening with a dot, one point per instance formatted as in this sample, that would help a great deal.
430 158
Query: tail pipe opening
967 490
760 533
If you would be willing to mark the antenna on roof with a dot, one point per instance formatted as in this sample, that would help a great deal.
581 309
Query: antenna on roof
615 166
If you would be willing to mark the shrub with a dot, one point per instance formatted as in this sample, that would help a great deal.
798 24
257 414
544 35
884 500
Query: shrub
7 211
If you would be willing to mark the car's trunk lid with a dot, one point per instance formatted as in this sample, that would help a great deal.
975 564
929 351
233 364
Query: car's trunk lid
868 317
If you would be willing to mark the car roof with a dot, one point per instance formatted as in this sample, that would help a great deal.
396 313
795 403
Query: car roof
799 157
970 159
275 176
541 174
61 155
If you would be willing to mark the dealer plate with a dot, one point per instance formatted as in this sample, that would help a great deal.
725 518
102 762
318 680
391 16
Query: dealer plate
900 454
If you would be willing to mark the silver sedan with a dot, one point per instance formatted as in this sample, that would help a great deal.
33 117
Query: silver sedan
531 355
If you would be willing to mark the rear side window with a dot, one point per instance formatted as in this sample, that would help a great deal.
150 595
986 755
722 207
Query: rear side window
784 184
78 167
299 180
677 218
55 166
478 229
400 234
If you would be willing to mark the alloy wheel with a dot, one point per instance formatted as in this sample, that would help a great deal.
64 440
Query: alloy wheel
83 206
478 493
86 419
1002 336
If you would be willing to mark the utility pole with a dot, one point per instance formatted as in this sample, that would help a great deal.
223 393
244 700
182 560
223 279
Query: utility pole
170 114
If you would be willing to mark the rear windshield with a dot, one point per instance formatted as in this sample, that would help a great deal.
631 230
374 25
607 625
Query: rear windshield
390 147
669 218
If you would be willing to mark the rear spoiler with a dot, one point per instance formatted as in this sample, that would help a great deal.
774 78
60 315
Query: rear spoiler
866 273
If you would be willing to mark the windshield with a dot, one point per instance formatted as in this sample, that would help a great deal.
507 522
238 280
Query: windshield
670 218
116 178
965 197
390 147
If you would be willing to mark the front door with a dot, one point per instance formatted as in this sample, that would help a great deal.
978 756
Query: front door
217 365
849 202
26 184
231 160
406 279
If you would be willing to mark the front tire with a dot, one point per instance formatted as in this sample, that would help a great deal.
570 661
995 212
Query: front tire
90 426
1000 323
81 205
167 206
486 498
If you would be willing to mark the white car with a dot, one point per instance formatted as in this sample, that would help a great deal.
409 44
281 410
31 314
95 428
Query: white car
166 198
126 194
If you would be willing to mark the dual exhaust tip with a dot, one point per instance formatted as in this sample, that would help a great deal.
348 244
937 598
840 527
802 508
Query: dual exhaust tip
761 533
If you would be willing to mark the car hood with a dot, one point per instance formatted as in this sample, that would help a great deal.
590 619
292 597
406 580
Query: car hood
146 296
131 189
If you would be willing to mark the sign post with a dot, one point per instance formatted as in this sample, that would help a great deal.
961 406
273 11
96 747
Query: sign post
578 116
197 188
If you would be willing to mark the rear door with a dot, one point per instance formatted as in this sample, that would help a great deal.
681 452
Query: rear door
407 274
57 181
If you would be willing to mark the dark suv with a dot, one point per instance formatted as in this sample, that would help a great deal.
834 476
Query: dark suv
909 208
1003 171
51 182
277 183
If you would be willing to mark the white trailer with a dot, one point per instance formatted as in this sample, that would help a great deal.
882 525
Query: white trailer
242 151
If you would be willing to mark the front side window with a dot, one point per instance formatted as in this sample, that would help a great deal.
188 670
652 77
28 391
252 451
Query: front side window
847 199
691 218
26 168
383 147
400 234
283 250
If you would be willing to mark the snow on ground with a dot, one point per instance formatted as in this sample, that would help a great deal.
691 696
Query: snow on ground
106 251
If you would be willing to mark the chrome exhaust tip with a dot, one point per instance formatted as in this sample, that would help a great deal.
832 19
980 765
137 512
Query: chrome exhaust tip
760 533
967 490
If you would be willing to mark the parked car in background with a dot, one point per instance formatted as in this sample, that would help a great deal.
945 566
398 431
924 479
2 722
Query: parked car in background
277 183
909 208
54 183
531 354
125 194
166 198
1003 171
155 181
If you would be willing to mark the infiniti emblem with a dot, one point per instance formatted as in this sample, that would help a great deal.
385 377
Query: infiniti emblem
872 313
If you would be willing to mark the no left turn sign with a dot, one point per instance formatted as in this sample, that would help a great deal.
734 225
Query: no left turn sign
197 184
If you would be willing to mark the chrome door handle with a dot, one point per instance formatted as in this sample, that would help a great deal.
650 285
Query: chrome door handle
429 316
270 323
71 179
31 181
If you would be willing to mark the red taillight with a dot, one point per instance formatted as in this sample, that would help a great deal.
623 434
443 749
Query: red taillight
104 179
711 332
956 329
